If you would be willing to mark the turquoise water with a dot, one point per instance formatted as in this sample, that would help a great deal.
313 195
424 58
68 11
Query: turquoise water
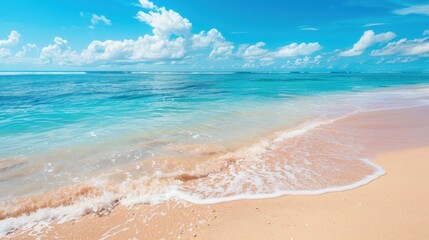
139 137
78 124
107 119
39 112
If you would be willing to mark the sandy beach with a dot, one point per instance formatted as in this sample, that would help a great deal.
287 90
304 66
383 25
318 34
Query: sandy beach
391 207
214 120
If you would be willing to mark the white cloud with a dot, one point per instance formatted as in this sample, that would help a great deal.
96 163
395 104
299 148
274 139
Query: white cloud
25 50
203 39
12 39
249 65
221 49
306 61
417 9
402 60
254 51
59 53
368 39
295 49
405 47
147 4
108 50
5 52
304 28
96 19
165 22
144 49
374 24
171 41
159 47
425 32
149 48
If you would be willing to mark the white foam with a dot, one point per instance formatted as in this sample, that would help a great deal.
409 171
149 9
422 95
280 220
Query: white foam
45 216
379 171
306 128
174 191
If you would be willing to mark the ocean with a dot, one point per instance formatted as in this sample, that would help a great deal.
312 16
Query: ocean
78 142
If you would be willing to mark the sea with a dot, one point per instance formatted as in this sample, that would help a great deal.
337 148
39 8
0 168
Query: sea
72 143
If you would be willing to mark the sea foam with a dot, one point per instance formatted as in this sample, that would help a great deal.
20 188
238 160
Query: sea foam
220 184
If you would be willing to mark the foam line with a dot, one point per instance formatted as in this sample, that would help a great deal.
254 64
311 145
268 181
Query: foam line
379 171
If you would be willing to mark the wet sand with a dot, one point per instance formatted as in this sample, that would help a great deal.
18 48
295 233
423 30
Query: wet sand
391 207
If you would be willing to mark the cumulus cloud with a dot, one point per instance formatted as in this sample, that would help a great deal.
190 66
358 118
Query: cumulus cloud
12 39
297 55
149 48
221 49
59 53
405 47
166 44
147 4
5 52
417 9
96 19
165 22
144 49
108 50
203 39
255 51
171 41
160 46
306 61
368 39
25 50
295 49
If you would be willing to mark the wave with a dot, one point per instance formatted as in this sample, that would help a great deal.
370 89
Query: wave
290 163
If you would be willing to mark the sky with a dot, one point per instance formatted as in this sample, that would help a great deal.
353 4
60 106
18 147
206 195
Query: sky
221 35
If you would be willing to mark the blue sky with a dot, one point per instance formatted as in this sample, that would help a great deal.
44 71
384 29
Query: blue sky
202 35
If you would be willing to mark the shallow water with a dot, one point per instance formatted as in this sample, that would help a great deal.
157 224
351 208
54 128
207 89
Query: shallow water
204 138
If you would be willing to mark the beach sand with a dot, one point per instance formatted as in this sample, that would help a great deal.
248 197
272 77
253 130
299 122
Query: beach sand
395 206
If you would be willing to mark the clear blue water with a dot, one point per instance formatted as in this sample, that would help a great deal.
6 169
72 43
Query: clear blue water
42 111
73 126
135 132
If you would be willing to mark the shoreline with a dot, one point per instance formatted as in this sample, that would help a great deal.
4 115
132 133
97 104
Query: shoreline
392 207
384 132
